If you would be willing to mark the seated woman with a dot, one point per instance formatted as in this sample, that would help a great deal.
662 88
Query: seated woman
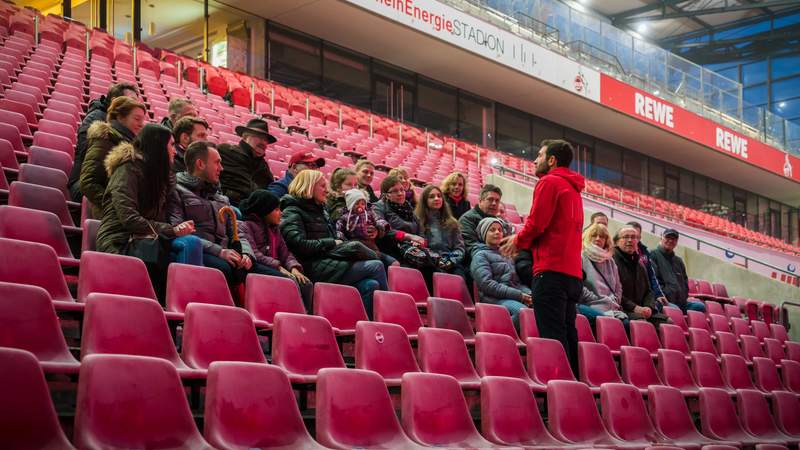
603 290
405 180
311 237
402 240
357 222
441 231
454 188
260 227
135 203
495 274
342 180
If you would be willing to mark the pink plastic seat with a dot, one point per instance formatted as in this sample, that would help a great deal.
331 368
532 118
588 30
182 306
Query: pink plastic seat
44 176
21 103
43 198
219 333
454 287
497 355
751 348
129 276
611 332
643 334
718 418
696 319
36 226
89 236
397 308
790 371
625 415
30 323
672 419
251 405
779 332
740 326
756 418
266 295
547 361
28 419
54 142
491 318
35 264
714 308
341 305
674 371
187 284
596 364
765 375
732 311
673 338
408 281
354 410
792 350
760 329
435 412
122 325
637 367
133 402
706 371
59 129
450 314
726 344
443 351
8 158
735 372
585 333
18 120
527 324
700 341
573 416
50 158
719 323
302 345
677 318
785 406
384 348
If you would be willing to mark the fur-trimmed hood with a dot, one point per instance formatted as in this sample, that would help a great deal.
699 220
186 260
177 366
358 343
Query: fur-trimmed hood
119 155
101 130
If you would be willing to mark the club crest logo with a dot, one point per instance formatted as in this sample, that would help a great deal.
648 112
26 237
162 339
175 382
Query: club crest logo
787 166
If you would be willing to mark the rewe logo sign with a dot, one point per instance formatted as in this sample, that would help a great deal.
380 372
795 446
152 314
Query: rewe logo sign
654 110
731 142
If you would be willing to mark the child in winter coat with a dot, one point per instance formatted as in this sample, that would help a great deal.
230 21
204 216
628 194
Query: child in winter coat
357 222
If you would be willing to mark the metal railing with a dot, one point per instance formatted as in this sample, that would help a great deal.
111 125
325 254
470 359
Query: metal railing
784 313
550 34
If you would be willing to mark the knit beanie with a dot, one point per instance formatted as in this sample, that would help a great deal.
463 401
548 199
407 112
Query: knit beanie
352 196
261 202
484 224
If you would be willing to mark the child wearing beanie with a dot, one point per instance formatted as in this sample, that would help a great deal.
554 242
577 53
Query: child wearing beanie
260 227
355 221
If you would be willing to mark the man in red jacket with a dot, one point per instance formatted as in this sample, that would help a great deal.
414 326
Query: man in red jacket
552 232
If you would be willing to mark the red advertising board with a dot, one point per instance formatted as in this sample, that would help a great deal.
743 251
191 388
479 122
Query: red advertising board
663 114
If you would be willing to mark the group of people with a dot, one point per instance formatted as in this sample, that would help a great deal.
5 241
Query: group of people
165 193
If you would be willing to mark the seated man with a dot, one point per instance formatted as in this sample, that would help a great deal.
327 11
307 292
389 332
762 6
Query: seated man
178 108
638 301
300 160
671 273
187 130
199 199
245 167
488 206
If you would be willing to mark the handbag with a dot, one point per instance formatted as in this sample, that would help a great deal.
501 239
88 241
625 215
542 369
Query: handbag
419 257
152 249
353 251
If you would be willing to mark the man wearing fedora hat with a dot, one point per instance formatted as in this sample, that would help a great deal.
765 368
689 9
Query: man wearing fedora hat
244 167
300 160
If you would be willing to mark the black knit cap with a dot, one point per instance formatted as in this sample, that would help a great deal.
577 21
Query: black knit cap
261 202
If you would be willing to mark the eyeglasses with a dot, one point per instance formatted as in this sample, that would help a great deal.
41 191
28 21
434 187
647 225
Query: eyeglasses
397 191
628 238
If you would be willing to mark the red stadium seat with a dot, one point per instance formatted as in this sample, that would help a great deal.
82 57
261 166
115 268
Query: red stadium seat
89 236
187 283
36 226
751 348
252 405
785 406
496 355
673 338
408 281
779 332
341 305
35 264
443 351
625 415
527 324
700 341
443 313
727 345
643 334
547 361
450 286
50 158
129 276
760 329
674 371
44 176
719 323
677 318
672 419
706 371
596 364
398 308
756 418
27 414
584 329
384 348
133 402
611 333
491 318
43 198
54 142
740 326
573 416
719 420
219 333
302 345
697 319
735 372
765 375
266 295
637 367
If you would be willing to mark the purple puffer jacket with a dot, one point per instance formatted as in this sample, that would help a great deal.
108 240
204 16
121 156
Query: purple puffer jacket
268 244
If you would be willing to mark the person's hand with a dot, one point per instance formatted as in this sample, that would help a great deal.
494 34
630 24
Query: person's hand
299 276
284 271
246 263
508 246
184 228
527 299
416 240
339 242
372 232
663 300
231 257
644 311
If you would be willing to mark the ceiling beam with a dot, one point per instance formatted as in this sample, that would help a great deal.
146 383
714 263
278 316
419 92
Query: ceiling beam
671 40
703 12
791 32
661 4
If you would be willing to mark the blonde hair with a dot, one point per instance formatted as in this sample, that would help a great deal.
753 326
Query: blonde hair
303 184
595 230
450 181
122 106
399 172
364 162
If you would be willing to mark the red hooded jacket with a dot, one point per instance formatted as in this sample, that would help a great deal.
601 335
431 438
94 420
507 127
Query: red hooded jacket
552 231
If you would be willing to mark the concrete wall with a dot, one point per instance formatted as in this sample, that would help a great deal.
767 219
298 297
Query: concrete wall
738 280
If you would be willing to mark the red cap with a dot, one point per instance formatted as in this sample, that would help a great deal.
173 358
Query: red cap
306 157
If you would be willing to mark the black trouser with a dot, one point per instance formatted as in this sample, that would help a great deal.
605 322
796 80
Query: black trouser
555 296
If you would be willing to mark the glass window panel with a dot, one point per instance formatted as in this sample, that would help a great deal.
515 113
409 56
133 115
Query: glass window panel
782 90
755 95
294 59
655 177
754 73
436 106
633 168
700 191
732 73
513 131
784 66
608 163
474 115
789 109
346 76
544 129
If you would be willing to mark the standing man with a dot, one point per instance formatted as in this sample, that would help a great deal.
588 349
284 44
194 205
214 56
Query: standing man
245 167
552 232
671 273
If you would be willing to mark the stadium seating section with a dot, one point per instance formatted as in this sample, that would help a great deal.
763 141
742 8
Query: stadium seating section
71 324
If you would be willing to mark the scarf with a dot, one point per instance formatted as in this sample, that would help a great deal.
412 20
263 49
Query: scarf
456 199
596 254
123 130
404 210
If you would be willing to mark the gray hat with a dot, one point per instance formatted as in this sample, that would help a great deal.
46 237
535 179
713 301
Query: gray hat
670 232
485 223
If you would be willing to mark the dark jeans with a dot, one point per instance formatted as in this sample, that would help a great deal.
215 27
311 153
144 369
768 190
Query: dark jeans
555 296
232 275
368 277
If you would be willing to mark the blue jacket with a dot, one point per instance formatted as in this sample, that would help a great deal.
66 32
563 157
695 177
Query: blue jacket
281 187
644 257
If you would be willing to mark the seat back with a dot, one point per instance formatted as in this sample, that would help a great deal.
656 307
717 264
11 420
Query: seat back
674 371
697 319
304 344
8 158
754 414
719 323
547 360
397 308
27 414
132 402
44 176
727 345
435 412
672 338
740 326
766 376
706 370
611 332
266 295
718 417
54 142
760 329
187 283
670 414
34 226
443 313
643 334
340 304
42 198
527 324
677 317
123 325
785 405
585 333
384 348
497 355
10 134
732 311
353 409
443 351
637 367
751 347
735 372
219 333
451 286
408 281
714 308
700 341
779 332
509 413
491 318
129 276
250 405
35 264
572 414
596 364
45 157
625 413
